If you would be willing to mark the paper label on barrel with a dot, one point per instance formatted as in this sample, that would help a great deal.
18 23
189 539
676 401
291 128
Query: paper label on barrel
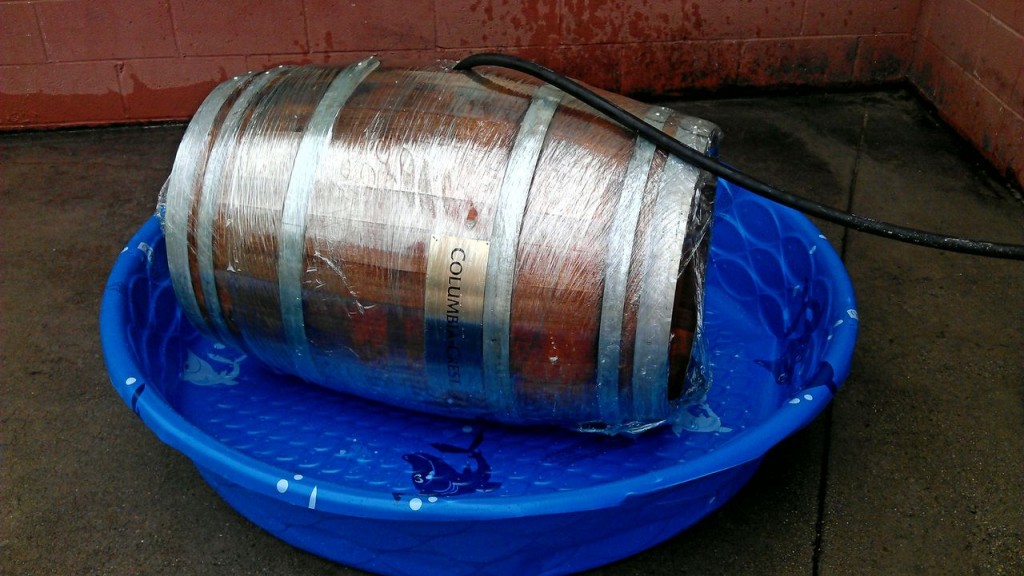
453 315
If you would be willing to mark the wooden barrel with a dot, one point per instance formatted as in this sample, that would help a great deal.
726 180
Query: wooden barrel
463 244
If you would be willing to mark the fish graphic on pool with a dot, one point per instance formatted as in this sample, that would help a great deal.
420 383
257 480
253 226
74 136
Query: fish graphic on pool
433 476
216 369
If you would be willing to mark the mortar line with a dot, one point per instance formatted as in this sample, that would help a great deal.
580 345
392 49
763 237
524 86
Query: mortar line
826 451
852 189
819 523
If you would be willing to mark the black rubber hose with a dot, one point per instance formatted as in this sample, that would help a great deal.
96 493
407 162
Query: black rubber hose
670 144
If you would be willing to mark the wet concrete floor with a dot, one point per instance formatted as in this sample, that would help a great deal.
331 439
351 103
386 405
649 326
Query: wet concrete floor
917 467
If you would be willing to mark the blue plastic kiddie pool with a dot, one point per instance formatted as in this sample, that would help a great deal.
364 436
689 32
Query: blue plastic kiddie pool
397 492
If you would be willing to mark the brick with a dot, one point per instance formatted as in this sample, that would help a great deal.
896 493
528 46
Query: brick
268 61
608 21
1000 59
1008 151
996 131
20 41
60 94
599 65
828 17
925 18
368 25
883 58
77 30
1015 170
420 58
1017 98
957 27
743 19
549 56
951 88
1009 12
945 83
674 67
173 88
391 58
924 69
977 114
958 96
1009 145
491 23
410 58
799 61
239 27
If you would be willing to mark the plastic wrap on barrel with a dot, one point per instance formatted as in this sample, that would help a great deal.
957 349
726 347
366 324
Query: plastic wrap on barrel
472 245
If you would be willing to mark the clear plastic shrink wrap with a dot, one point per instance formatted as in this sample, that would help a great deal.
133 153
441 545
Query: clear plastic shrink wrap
471 245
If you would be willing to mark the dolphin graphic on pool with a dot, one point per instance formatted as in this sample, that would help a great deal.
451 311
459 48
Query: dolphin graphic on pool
433 476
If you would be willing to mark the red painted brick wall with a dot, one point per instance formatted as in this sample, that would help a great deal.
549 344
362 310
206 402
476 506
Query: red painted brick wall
86 62
969 60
